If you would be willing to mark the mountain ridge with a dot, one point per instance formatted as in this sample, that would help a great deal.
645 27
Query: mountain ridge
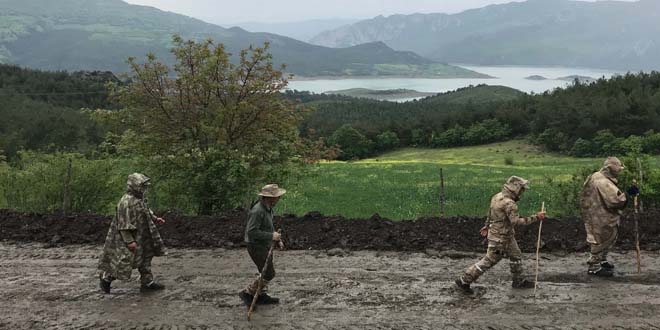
101 34
605 34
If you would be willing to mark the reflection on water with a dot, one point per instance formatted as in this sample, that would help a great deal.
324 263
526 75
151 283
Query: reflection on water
511 76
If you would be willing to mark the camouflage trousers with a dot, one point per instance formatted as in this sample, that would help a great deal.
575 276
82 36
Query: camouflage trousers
146 276
259 254
607 237
496 251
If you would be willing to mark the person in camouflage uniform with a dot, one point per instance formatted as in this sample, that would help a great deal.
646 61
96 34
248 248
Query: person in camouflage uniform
259 233
133 239
503 215
601 202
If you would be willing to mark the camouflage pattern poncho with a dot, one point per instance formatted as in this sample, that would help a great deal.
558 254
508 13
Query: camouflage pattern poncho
133 222
601 201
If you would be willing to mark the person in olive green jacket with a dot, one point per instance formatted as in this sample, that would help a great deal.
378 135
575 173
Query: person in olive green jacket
259 235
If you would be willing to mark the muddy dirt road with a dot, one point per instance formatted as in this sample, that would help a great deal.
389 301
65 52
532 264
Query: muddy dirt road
56 288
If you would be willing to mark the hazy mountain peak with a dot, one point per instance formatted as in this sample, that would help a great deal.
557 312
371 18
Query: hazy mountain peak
603 34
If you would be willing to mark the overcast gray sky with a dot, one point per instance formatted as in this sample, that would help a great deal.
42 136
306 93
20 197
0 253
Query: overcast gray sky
271 11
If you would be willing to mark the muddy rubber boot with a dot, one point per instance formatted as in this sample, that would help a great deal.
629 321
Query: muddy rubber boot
152 286
105 285
522 284
265 299
607 265
601 272
463 287
246 298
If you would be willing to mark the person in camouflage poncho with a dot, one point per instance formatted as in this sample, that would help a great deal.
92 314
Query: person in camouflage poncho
601 202
503 215
133 239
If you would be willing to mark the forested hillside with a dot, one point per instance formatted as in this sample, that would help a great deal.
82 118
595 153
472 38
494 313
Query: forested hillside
583 120
41 110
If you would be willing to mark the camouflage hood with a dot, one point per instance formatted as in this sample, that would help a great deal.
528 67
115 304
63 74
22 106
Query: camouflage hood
137 184
514 186
612 167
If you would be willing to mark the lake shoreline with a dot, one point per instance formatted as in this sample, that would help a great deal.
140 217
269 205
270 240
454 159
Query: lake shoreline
509 76
382 77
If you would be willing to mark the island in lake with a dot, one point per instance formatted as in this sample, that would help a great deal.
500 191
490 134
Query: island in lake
536 77
381 95
582 79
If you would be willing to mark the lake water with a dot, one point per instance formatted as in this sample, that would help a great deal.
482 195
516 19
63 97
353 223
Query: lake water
511 76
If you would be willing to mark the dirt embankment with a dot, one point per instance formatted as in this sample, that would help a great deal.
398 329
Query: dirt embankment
315 231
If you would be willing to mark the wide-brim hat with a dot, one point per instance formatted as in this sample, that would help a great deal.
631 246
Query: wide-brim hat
271 190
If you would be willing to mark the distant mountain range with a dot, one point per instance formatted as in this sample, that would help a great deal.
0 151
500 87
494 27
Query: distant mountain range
102 34
603 34
302 30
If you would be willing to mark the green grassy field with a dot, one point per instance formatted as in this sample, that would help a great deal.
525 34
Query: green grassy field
405 184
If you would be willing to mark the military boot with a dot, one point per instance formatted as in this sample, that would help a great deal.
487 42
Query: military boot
463 287
600 271
265 299
607 265
246 298
104 284
522 284
152 286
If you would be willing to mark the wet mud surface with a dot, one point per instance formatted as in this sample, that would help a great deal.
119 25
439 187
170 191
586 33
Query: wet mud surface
336 274
57 288
315 231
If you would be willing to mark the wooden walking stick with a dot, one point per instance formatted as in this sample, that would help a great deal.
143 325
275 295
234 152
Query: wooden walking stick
538 246
637 206
260 282
637 250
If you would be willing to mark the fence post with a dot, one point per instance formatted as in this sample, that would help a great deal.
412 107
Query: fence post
442 194
66 196
641 182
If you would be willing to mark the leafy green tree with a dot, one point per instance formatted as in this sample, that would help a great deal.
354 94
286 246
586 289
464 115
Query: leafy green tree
605 142
387 141
451 137
417 137
553 139
223 126
632 145
583 148
651 142
352 143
